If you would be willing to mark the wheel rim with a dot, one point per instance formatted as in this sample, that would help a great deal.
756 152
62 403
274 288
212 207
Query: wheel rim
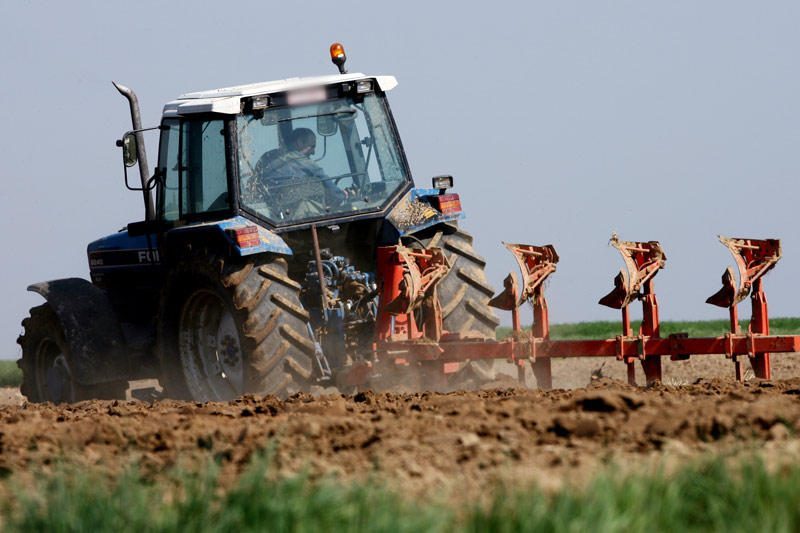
210 349
53 377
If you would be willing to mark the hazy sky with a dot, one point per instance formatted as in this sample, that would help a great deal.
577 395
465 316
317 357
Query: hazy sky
561 122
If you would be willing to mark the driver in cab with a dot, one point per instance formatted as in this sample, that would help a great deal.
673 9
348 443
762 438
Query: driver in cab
296 182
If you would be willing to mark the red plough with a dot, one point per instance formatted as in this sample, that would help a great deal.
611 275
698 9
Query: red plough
411 333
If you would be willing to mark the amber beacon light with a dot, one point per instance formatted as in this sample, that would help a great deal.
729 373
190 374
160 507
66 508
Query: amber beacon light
338 57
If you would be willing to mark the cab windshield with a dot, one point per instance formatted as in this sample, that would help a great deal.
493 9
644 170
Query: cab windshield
328 159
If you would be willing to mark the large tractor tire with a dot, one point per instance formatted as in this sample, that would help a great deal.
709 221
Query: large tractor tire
45 364
464 295
232 329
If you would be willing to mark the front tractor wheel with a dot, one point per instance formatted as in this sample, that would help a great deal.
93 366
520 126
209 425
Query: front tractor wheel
228 330
45 364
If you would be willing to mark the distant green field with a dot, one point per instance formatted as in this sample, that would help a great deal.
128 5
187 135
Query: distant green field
703 328
702 497
10 374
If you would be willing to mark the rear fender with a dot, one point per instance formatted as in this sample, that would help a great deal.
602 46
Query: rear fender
91 329
414 213
221 233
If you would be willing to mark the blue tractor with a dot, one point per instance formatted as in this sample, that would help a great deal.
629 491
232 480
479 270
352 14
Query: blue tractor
254 269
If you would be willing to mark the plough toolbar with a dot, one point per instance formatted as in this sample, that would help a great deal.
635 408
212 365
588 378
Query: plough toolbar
410 317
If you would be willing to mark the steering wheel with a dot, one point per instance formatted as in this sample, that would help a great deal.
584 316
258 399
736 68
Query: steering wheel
355 189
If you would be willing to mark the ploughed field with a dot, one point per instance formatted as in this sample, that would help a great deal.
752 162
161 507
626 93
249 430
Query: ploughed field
459 443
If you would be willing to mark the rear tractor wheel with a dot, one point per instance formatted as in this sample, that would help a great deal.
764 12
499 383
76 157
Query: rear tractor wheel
45 364
233 329
464 295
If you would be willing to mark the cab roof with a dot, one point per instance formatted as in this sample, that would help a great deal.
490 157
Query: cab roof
227 100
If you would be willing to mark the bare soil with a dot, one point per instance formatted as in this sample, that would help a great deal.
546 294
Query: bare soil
576 372
459 443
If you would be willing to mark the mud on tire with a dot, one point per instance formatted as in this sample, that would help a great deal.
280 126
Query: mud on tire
235 328
45 363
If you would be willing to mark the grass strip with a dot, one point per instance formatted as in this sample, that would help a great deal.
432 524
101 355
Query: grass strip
699 328
710 496
706 497
79 501
10 374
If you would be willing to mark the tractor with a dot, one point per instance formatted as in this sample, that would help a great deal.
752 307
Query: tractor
285 247
261 263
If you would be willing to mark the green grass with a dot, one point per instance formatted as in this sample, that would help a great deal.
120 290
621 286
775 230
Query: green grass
708 497
701 328
10 374
75 501
704 497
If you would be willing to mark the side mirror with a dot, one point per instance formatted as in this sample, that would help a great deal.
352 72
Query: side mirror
129 153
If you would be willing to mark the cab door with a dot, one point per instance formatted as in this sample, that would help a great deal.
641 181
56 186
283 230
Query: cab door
193 170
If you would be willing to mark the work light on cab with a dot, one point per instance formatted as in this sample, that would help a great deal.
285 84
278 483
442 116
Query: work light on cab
363 86
260 102
338 57
442 182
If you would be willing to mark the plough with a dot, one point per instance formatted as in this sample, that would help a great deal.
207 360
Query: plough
411 333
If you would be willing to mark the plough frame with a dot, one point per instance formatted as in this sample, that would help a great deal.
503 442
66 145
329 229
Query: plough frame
401 342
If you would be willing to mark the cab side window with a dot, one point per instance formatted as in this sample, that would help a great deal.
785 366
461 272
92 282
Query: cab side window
169 169
204 179
193 166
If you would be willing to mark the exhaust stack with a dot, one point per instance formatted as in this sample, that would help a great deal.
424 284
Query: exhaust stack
141 153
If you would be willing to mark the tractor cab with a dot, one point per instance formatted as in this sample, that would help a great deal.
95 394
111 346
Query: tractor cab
337 157
282 154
